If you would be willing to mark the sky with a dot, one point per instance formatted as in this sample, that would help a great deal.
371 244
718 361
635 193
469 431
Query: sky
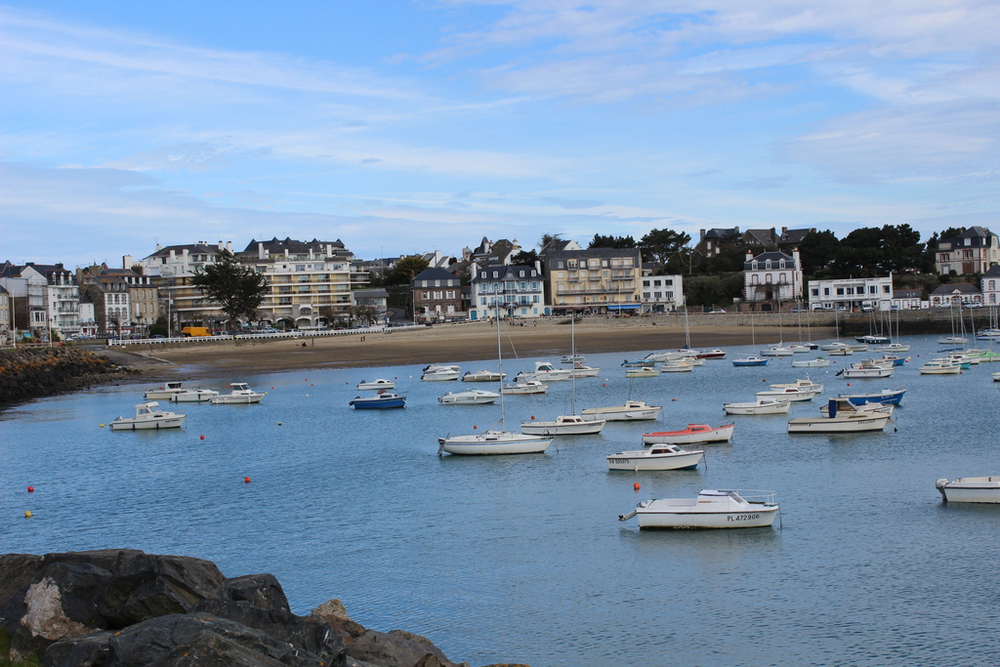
403 127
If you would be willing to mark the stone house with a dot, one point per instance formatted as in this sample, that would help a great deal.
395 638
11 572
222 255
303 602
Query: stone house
955 294
437 296
976 250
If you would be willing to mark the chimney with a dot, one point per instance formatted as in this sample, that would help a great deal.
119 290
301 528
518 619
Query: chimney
229 246
127 261
749 256
260 250
221 246
702 232
473 271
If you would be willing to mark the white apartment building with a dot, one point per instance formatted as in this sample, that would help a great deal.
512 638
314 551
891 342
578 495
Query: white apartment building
510 290
991 287
851 294
662 294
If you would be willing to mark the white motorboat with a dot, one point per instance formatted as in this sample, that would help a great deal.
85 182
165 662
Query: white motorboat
893 348
545 372
571 358
484 376
837 421
148 416
793 394
952 340
865 370
676 367
469 397
970 489
563 425
818 362
806 385
996 377
799 349
524 387
582 370
711 509
194 396
630 411
494 441
440 373
940 368
657 457
641 372
380 383
692 435
166 391
240 393
777 351
762 406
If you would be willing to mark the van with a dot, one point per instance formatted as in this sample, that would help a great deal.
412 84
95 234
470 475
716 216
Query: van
194 331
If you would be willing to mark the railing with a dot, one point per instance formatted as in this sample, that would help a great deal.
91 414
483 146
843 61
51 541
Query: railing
297 333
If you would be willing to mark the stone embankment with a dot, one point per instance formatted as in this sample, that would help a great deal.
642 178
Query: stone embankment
126 608
34 372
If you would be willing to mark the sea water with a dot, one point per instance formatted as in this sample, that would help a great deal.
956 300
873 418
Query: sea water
522 558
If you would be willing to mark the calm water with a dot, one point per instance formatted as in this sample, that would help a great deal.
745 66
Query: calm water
523 558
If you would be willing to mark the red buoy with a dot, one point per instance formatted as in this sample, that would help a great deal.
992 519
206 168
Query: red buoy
246 480
202 437
31 489
636 486
474 427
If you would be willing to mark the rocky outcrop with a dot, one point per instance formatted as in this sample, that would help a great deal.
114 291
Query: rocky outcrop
126 608
31 373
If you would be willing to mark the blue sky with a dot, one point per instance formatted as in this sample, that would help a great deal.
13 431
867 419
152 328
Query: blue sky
405 127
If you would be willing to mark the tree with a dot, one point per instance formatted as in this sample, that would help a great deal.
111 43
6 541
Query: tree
547 239
407 268
663 245
817 251
902 249
617 242
527 257
238 289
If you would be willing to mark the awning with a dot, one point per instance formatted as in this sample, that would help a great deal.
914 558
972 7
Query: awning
624 306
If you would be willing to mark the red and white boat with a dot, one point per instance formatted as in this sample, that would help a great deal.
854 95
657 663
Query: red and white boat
715 353
694 433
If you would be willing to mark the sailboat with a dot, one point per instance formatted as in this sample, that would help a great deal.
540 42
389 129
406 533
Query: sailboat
573 424
580 369
751 360
572 357
494 441
954 338
632 410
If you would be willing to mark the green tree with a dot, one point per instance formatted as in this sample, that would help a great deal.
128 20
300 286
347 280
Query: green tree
617 242
902 249
527 257
407 268
238 289
665 245
817 251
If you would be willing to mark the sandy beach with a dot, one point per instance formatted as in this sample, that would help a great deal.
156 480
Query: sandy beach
445 343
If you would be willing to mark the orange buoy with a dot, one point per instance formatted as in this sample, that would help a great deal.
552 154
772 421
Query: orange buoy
202 437
31 489
532 416
674 398
474 427
246 480
636 486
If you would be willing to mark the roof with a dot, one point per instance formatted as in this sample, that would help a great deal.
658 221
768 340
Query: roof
721 233
907 293
993 272
278 246
192 248
760 236
436 274
592 252
951 288
794 236
504 271
772 255
376 293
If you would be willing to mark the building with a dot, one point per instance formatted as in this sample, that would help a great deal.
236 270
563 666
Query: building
991 287
852 294
6 324
908 299
110 295
955 294
976 250
437 296
710 243
28 286
378 299
661 294
595 280
310 281
171 269
516 290
490 254
771 278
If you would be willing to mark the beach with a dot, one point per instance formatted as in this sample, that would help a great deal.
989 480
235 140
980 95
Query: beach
445 343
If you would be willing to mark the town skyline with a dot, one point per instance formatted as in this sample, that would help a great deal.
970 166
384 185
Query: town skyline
406 127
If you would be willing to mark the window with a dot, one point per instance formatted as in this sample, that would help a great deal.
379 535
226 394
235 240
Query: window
872 289
450 294
657 295
645 283
437 294
814 291
840 291
645 295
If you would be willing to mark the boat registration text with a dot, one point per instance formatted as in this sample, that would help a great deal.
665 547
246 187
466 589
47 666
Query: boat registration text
743 517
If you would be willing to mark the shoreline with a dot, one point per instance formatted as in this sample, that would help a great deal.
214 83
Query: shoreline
451 343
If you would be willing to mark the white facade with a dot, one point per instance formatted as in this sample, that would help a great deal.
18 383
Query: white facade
850 294
662 293
772 277
511 291
990 287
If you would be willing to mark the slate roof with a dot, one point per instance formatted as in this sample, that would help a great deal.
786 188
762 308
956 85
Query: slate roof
504 271
772 255
951 288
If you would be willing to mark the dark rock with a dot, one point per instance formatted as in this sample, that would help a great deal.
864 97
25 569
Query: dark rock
261 590
397 649
204 640
145 586
334 613
312 634
16 573
82 651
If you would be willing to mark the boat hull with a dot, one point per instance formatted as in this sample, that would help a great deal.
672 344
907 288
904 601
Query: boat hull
148 425
838 424
970 490
720 434
493 443
469 398
750 362
369 404
622 413
236 400
641 460
885 397
666 514
559 428
758 408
